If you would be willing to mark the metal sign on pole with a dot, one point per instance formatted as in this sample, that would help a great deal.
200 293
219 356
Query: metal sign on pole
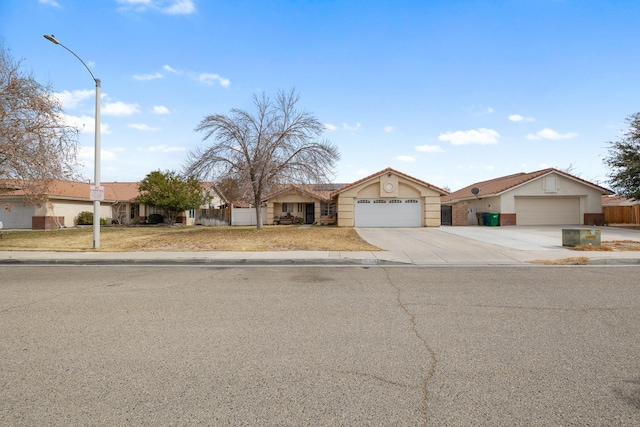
96 192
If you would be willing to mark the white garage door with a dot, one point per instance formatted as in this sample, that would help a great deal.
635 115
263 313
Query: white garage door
19 217
547 210
388 213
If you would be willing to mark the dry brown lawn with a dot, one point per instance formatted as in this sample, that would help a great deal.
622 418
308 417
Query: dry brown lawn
189 239
582 260
608 246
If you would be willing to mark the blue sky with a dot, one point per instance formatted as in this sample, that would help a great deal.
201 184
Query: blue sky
449 91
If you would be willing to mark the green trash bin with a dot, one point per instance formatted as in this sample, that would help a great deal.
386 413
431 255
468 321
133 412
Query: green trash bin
493 219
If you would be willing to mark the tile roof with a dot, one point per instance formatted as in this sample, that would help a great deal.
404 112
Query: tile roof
390 170
316 191
618 201
496 186
113 191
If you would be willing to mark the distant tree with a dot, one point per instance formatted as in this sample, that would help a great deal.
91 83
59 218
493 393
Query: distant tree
36 145
277 144
171 192
624 160
232 190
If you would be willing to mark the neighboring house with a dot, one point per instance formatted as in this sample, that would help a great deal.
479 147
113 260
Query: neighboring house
388 198
544 197
620 210
66 199
302 203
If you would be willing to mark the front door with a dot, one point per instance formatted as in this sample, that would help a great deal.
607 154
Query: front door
309 213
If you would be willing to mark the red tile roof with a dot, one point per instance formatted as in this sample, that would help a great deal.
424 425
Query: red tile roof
316 191
618 201
496 186
113 191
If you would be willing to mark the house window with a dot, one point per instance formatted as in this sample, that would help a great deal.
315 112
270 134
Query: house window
287 207
327 209
192 213
299 207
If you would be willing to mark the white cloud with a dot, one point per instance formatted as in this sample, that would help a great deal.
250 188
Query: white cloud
351 128
169 7
489 168
148 76
363 172
170 69
120 109
88 153
473 136
547 133
210 79
70 100
329 127
160 109
389 129
85 124
142 126
429 148
407 159
164 149
489 110
53 3
519 118
180 7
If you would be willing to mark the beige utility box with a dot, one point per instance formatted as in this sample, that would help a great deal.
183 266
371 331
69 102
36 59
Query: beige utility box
580 236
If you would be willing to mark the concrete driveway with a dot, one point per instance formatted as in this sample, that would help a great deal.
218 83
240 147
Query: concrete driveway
484 245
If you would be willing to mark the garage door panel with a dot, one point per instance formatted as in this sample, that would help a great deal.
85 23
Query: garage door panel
388 213
19 217
547 210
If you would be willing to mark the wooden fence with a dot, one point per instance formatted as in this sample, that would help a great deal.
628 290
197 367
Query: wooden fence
621 214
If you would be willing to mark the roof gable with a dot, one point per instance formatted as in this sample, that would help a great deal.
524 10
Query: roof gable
390 170
497 186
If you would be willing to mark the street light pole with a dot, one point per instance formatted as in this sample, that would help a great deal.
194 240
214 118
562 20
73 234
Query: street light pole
96 177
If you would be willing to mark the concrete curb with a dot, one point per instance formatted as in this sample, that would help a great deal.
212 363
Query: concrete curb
206 262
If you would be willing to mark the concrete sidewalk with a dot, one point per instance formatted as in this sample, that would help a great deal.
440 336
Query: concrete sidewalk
453 246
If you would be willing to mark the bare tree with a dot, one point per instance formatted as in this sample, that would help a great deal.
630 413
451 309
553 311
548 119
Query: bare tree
278 144
36 145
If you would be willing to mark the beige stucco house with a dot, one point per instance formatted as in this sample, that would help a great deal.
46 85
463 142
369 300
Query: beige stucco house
388 198
66 199
544 197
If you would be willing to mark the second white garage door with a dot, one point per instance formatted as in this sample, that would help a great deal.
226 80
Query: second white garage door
18 218
388 213
547 210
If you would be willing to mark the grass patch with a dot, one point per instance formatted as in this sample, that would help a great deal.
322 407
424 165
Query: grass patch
614 245
583 260
188 239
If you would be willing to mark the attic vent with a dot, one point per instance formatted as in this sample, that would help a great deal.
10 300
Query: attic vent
550 184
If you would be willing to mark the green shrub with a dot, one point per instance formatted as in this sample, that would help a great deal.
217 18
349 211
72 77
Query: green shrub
85 218
155 219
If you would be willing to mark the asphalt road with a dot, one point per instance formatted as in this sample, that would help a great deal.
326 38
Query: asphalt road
501 346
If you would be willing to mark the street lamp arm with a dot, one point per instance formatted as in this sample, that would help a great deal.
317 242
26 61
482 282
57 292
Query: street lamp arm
52 39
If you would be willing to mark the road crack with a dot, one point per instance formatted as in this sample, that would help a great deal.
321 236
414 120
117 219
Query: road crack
432 355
